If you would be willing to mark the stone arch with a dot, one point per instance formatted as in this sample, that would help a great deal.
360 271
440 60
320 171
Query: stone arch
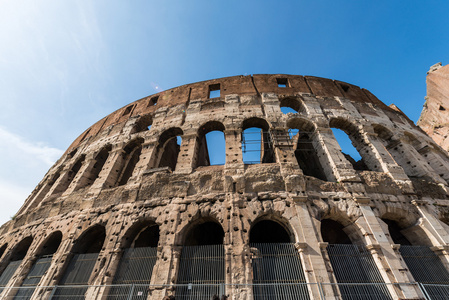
357 142
71 174
257 146
202 258
403 229
131 155
3 249
91 240
294 103
269 231
12 263
82 259
41 263
138 230
168 149
302 134
383 133
203 231
138 258
50 245
203 153
21 249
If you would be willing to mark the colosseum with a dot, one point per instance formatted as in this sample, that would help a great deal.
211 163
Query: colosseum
139 208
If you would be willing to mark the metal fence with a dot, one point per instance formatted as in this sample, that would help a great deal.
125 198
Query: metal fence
283 291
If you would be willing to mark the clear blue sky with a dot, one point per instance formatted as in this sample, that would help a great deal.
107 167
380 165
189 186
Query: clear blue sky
66 64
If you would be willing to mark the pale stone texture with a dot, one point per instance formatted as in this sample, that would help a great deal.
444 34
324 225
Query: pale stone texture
404 181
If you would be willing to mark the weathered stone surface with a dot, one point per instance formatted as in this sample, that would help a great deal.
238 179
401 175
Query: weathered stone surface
119 177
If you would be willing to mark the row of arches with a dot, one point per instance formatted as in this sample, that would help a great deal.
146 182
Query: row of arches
275 258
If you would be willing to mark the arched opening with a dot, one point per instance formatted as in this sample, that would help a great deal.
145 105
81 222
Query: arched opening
143 124
211 145
208 233
40 265
267 231
100 160
131 156
202 261
423 263
276 262
347 136
257 146
345 256
168 148
301 132
84 255
71 175
17 255
3 249
137 261
290 105
332 233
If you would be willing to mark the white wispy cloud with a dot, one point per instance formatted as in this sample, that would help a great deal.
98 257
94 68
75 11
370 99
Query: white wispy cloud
46 154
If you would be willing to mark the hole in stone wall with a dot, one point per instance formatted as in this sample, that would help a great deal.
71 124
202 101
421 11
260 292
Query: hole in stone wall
90 241
169 148
131 157
100 159
147 237
348 150
282 82
51 244
290 105
267 231
332 232
208 233
306 155
21 249
441 108
214 91
153 101
257 146
127 110
2 249
143 124
344 87
211 146
395 233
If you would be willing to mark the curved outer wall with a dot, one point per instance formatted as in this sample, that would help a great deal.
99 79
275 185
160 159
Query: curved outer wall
405 180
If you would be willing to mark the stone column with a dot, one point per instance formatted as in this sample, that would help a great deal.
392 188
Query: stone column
234 157
107 177
311 251
391 267
186 156
335 165
82 178
439 235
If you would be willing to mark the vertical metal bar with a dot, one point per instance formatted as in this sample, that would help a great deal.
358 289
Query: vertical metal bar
130 296
53 292
423 290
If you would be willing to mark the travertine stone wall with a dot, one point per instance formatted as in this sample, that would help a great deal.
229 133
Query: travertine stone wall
434 119
406 181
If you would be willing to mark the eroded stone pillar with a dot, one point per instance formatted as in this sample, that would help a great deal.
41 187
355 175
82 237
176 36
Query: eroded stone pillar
311 251
432 226
335 165
391 267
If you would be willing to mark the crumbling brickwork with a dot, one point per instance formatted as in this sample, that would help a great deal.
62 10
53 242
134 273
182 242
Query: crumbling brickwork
434 119
128 182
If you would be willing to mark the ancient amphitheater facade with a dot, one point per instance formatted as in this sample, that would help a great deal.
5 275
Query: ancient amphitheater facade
135 210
